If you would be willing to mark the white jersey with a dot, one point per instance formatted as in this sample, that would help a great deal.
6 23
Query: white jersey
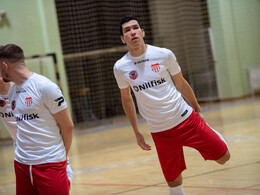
38 136
7 116
149 75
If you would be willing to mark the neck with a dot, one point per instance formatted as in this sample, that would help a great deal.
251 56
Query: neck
22 76
5 88
138 50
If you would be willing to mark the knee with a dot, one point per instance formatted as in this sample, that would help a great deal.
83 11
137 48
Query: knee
176 182
224 158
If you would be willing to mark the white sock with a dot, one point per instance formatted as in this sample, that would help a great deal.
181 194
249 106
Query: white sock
178 190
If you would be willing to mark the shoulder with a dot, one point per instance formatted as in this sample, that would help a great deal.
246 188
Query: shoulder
40 78
159 50
41 81
41 85
122 61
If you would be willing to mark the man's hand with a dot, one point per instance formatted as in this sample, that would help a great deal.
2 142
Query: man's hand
141 142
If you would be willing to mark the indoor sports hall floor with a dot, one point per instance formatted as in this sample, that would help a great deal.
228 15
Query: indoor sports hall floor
107 161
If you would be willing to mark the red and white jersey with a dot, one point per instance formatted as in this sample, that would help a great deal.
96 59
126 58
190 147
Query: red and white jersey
33 104
7 116
149 75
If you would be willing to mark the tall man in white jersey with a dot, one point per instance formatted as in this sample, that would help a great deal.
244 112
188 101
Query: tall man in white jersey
44 127
155 77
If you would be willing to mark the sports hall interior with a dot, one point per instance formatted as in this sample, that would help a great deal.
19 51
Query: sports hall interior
76 43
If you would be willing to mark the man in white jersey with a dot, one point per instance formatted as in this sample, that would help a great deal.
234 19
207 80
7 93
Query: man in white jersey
44 127
9 120
155 77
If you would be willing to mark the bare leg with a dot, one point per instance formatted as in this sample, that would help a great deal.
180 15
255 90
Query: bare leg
176 187
224 158
176 182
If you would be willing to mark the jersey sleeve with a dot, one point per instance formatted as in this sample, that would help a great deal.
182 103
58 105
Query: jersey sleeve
121 82
53 98
173 65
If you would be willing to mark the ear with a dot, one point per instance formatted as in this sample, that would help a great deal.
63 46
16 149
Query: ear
122 39
143 33
5 65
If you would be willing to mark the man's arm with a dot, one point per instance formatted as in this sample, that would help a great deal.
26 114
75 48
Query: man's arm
186 91
66 127
130 111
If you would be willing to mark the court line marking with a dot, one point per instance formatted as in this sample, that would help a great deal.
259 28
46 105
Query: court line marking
84 170
140 187
79 171
247 188
252 186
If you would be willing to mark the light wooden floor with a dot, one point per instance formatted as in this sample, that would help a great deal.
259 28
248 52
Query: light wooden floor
107 161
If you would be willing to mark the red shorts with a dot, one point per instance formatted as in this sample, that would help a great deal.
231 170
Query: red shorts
49 178
193 132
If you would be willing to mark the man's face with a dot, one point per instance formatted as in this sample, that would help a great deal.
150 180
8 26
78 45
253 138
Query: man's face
132 33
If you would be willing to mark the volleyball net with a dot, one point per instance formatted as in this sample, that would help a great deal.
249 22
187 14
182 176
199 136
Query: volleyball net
91 45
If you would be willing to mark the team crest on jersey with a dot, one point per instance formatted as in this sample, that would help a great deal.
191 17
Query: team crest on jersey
133 74
28 101
155 67
13 104
2 103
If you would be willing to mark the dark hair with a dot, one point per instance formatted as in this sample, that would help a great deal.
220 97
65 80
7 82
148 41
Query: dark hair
127 19
11 52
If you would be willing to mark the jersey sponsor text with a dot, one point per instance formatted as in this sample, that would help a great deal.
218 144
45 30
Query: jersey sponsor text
26 117
6 114
149 84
